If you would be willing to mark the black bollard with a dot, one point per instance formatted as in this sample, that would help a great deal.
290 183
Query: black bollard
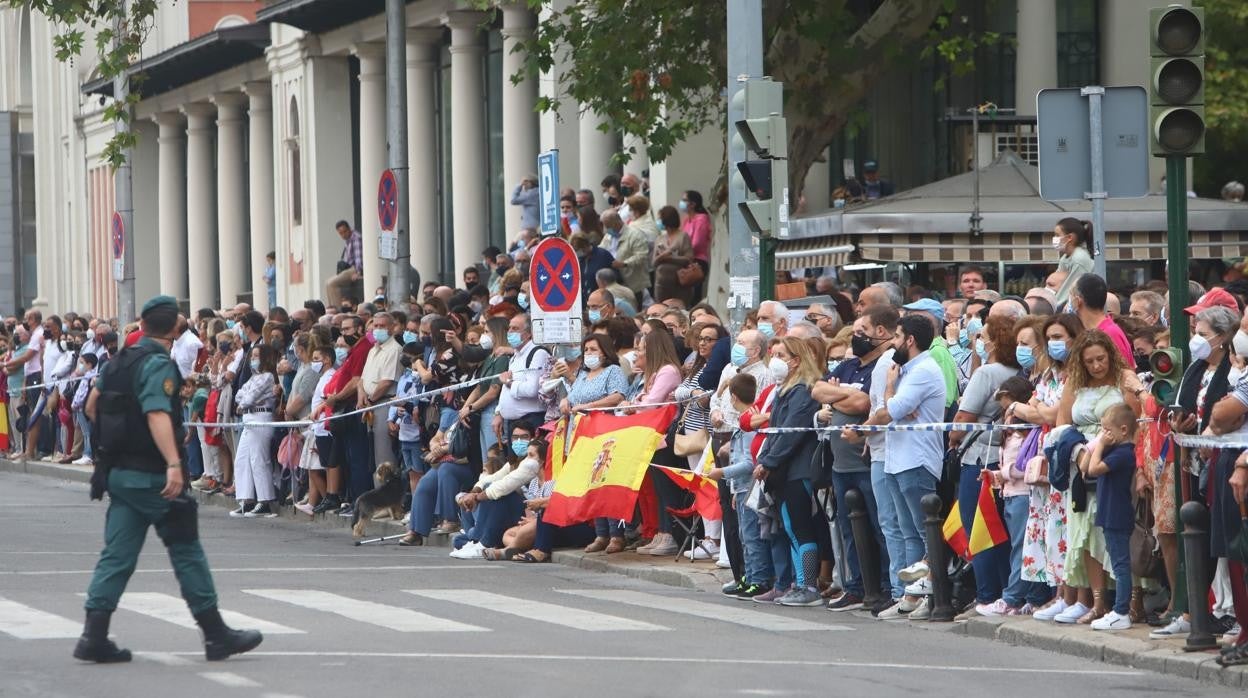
868 554
938 560
1196 552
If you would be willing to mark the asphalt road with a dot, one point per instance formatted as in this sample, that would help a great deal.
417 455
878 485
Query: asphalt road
390 621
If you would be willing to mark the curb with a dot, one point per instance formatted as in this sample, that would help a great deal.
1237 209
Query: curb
1163 657
699 576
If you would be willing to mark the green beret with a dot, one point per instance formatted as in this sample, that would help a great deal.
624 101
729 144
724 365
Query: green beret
159 302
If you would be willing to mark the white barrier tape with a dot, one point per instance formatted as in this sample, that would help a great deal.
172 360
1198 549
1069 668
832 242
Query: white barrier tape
1224 441
353 413
642 405
934 426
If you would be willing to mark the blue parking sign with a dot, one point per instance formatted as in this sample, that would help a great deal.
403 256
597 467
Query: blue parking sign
548 190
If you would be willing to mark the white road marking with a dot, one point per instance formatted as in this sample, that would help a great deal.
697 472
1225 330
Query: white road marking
229 679
26 623
403 620
216 570
829 663
703 609
536 610
172 609
166 658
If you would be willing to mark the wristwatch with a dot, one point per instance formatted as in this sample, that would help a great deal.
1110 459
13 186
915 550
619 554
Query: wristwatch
175 464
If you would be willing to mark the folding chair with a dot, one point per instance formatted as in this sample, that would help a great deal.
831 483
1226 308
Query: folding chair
687 520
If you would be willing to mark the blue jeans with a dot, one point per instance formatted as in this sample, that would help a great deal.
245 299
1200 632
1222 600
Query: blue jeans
907 489
607 528
890 528
841 484
487 430
758 568
409 451
493 516
992 566
1118 545
780 552
84 427
1018 591
436 494
359 473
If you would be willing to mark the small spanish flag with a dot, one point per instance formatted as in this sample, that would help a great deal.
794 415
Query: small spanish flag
606 466
987 530
556 454
705 491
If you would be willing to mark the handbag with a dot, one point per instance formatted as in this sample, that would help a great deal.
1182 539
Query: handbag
290 450
689 444
1144 563
690 275
1036 472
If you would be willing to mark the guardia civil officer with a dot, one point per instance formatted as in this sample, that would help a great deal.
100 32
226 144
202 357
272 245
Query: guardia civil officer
136 412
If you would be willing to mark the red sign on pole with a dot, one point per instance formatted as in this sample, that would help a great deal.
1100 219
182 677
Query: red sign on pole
555 275
119 247
388 201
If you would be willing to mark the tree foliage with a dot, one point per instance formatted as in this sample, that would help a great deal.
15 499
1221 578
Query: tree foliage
118 29
1226 95
657 69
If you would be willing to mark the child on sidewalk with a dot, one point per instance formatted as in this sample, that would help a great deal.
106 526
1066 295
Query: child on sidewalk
1112 461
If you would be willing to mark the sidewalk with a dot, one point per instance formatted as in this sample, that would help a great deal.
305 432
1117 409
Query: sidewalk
703 576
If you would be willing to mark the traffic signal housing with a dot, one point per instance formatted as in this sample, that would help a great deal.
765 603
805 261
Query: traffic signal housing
764 135
1167 367
1177 85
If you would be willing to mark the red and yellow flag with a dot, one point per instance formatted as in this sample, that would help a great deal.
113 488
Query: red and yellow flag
987 530
705 491
606 466
555 454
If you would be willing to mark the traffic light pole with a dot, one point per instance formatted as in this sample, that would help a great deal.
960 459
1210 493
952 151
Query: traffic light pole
745 60
399 286
1176 278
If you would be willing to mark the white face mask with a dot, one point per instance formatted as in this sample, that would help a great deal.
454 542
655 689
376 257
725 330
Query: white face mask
779 369
1200 348
592 361
1057 242
487 341
630 357
1241 343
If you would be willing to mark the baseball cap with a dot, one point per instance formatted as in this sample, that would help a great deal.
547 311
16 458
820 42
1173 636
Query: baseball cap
1215 297
928 305
1043 293
870 166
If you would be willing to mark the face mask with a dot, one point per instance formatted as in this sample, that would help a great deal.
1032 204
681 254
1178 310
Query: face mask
1200 348
974 325
832 364
82 368
1240 343
625 213
1024 356
630 357
683 206
964 338
350 339
523 299
514 340
1141 361
520 447
409 337
767 328
255 365
405 361
1058 351
592 361
226 347
316 366
739 355
276 344
230 324
487 342
779 369
861 346
340 354
595 316
613 232
901 357
475 306
1057 242
90 335
981 350
381 336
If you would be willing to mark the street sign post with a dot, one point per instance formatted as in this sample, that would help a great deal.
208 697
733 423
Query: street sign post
388 215
1093 144
119 247
555 290
548 191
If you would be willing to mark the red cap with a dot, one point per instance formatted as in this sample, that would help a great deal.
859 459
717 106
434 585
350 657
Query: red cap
133 338
1215 297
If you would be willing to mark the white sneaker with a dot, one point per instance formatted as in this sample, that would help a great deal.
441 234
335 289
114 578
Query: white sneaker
1072 614
240 512
722 561
1179 627
1112 621
697 553
472 550
914 572
893 612
262 510
407 518
923 587
923 612
996 608
1052 611
85 460
908 605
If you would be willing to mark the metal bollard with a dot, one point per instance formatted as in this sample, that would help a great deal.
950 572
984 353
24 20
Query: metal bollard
938 560
868 554
1196 551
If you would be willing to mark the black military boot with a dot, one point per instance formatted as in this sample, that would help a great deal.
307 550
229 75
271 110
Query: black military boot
221 641
94 645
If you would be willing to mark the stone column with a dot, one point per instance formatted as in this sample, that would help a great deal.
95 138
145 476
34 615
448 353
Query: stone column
231 197
260 187
596 151
1036 55
423 45
171 203
201 206
372 155
468 169
519 118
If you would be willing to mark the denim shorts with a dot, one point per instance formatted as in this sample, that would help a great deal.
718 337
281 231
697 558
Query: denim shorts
447 417
412 461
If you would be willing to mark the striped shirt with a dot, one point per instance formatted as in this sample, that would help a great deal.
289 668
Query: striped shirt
353 251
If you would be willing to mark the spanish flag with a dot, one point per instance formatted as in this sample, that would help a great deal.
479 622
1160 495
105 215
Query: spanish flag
987 529
556 454
705 491
606 466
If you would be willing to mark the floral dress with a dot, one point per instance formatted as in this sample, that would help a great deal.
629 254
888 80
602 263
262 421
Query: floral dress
1082 534
1044 538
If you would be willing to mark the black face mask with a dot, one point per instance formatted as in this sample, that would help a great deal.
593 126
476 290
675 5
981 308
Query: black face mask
405 361
901 356
350 339
1141 362
626 191
862 345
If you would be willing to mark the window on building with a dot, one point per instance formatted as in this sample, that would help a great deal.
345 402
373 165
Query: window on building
296 165
1078 43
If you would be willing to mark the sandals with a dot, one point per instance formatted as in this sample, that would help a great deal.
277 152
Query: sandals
411 539
492 554
1235 655
615 546
529 557
598 545
447 528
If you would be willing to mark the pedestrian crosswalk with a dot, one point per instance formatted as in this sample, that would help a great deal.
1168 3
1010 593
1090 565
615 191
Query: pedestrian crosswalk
429 610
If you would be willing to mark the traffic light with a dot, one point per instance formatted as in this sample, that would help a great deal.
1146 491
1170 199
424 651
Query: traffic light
764 134
1167 367
1177 87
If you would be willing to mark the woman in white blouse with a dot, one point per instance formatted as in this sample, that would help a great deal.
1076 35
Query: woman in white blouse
253 470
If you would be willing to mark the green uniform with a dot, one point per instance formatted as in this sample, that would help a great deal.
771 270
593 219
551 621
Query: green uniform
135 502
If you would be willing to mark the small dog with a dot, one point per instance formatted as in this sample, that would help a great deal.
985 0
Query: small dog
386 498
